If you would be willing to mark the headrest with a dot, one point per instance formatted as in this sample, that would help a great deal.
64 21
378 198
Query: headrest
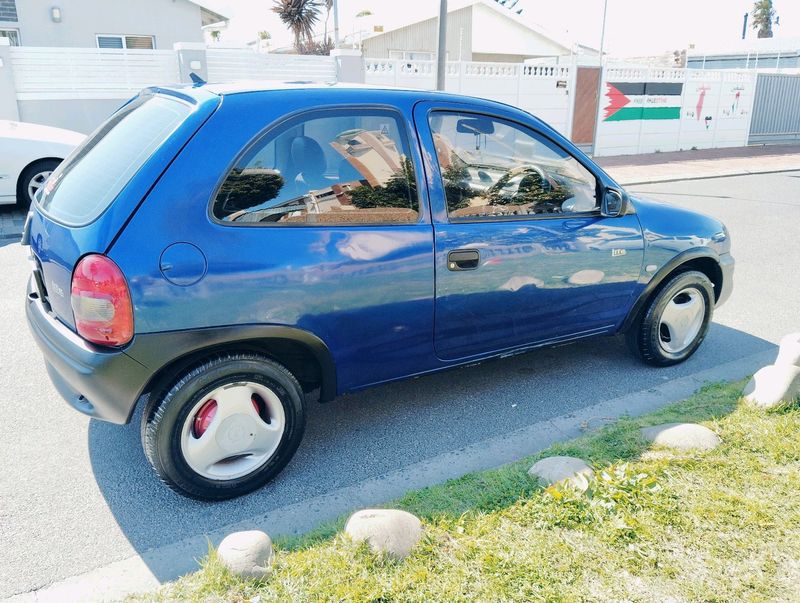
307 156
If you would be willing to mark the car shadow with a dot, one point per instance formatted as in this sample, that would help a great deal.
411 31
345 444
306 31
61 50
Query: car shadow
383 429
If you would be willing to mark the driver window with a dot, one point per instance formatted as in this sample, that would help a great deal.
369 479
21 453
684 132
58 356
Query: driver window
493 169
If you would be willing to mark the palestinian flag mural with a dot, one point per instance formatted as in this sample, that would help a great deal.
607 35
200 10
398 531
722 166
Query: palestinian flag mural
643 100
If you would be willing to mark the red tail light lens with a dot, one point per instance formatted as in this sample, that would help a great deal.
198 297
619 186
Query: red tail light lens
101 302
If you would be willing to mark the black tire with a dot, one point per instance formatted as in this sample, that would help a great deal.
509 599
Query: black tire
24 200
646 338
165 416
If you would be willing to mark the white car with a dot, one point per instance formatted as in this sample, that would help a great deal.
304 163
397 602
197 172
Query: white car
28 154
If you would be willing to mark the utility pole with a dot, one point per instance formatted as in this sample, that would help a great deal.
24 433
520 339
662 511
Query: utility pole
441 53
600 78
336 23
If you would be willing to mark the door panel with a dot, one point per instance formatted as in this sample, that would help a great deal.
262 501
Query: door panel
536 280
548 266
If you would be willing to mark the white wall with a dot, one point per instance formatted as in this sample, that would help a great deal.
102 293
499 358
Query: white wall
495 33
723 121
532 88
170 21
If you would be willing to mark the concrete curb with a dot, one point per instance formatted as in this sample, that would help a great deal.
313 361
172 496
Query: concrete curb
134 574
691 177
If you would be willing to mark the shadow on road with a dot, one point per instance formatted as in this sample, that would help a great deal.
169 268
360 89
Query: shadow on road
380 430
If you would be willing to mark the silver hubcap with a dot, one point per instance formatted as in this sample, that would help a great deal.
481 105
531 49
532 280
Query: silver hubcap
238 439
36 183
682 320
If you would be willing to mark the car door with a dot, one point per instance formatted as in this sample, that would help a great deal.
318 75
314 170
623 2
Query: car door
522 253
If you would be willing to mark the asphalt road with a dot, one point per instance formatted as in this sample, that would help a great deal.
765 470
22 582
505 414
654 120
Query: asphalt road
78 494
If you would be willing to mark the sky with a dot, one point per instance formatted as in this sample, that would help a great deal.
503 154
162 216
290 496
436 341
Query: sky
633 27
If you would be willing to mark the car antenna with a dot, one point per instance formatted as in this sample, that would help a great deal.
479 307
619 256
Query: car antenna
196 79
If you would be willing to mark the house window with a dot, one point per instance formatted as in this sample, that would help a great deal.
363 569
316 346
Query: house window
11 34
126 42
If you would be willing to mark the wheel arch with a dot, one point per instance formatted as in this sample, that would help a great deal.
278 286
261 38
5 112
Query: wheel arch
302 353
702 259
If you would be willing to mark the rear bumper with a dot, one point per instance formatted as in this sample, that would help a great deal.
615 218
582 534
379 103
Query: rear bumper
103 384
726 264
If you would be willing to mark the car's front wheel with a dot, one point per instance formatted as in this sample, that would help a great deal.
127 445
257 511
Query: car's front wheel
32 180
674 322
226 427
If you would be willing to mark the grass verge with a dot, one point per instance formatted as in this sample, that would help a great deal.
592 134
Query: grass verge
655 525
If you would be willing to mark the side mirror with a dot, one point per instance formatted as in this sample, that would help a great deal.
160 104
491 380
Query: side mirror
615 203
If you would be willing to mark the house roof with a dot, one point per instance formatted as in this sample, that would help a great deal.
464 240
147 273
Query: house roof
512 14
207 15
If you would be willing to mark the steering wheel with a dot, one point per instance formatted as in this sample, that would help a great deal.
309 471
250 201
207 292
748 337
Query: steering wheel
525 171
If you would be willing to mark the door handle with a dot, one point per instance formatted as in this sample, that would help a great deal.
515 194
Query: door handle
463 259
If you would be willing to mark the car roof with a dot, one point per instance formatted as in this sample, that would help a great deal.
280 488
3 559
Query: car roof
205 90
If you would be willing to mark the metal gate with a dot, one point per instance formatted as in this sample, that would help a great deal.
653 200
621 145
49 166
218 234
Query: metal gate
776 110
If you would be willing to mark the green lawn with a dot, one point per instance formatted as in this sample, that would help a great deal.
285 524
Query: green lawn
654 526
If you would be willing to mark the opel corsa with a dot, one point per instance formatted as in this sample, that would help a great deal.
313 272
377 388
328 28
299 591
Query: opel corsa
216 253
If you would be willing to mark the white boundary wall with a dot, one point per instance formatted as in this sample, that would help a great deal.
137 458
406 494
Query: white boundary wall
225 65
723 119
544 90
89 73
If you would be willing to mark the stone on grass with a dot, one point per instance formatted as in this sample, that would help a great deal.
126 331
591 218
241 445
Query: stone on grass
569 469
387 531
789 352
773 385
681 436
247 554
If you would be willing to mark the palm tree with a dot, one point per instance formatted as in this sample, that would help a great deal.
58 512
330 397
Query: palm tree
763 17
300 16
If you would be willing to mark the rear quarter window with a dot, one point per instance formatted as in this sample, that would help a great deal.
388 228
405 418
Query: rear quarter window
89 180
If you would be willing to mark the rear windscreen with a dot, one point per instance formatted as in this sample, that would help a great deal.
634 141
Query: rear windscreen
87 182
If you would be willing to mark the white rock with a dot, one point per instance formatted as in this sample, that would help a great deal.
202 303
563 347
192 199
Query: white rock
789 352
248 554
388 531
682 436
554 469
773 385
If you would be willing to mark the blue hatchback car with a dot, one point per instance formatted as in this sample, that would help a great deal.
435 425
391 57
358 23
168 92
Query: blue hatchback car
219 252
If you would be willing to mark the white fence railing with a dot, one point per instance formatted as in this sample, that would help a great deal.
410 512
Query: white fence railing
226 65
80 73
541 89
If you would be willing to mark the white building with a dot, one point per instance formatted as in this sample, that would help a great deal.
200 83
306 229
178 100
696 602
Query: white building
477 30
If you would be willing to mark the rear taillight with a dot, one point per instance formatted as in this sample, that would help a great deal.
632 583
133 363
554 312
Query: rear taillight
101 302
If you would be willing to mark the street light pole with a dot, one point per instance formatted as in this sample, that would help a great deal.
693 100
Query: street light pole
441 53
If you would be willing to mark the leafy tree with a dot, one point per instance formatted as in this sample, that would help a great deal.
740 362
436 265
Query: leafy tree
763 18
300 16
399 191
457 191
316 47
248 188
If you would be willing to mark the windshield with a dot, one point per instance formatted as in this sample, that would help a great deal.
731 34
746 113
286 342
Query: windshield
89 180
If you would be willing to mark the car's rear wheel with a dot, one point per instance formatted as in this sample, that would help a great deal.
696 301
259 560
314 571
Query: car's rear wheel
674 322
32 180
226 427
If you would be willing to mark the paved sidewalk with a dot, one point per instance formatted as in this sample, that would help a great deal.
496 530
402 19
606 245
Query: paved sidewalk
11 222
626 169
705 163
